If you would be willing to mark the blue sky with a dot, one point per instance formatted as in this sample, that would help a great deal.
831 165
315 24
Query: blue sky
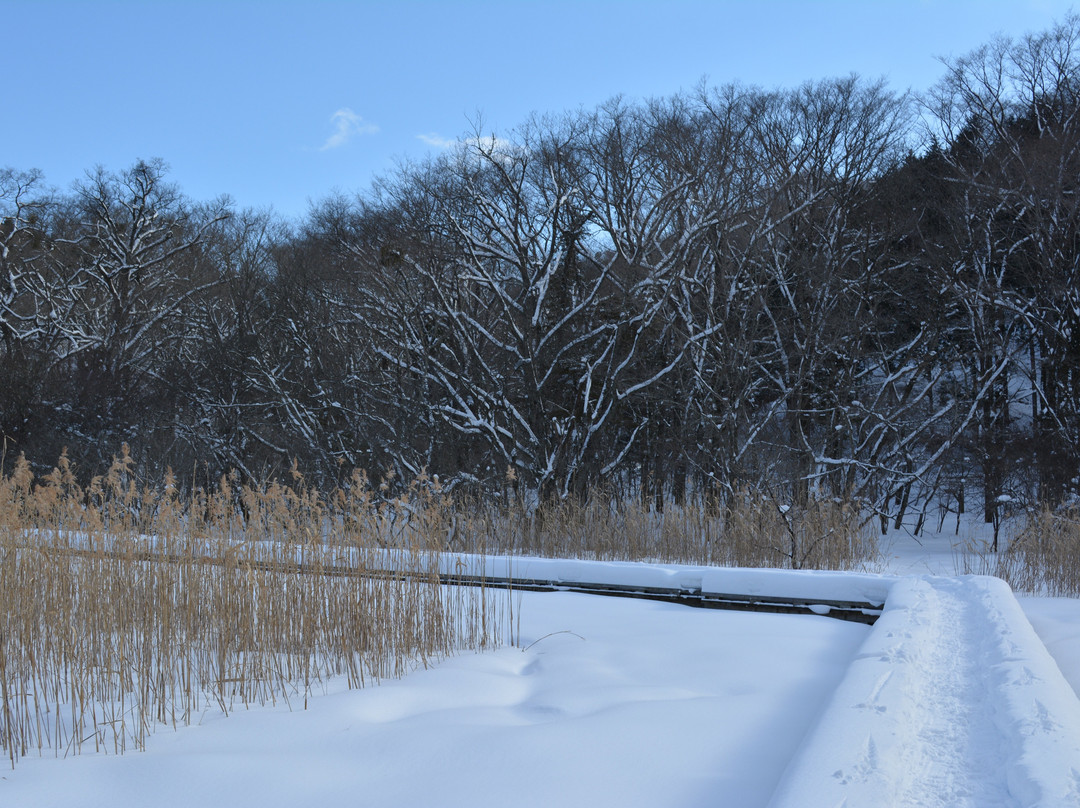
279 103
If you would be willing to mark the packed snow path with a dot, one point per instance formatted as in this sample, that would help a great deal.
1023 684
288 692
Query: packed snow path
951 701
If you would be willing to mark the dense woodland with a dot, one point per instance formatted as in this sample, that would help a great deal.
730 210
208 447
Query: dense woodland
834 290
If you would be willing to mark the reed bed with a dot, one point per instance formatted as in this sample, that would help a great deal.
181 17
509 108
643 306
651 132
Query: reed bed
127 609
750 529
1042 556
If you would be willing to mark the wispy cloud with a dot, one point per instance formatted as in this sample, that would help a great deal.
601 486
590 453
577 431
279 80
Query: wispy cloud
437 141
347 124
488 146
493 145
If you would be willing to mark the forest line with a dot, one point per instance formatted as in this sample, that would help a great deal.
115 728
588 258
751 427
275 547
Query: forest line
830 291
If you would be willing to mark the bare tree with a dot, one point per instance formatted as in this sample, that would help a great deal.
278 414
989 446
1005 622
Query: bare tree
839 404
1008 117
126 261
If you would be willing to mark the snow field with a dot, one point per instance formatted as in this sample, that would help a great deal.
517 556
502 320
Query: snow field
614 702
953 700
950 699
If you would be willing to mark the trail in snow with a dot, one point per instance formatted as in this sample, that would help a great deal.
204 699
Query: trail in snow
951 701
951 751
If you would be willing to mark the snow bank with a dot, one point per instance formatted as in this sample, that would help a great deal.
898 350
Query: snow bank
1057 622
808 585
952 700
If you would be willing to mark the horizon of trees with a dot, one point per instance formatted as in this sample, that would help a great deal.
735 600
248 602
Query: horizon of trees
832 290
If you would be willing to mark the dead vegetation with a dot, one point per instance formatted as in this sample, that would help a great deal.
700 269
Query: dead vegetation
126 608
1041 557
130 607
751 529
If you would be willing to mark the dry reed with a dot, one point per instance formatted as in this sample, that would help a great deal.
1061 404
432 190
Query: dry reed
1043 557
751 529
126 609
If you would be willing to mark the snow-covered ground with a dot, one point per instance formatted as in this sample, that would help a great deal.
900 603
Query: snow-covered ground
614 702
950 699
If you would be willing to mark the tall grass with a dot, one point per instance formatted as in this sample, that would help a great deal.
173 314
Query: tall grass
750 529
125 608
1043 557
